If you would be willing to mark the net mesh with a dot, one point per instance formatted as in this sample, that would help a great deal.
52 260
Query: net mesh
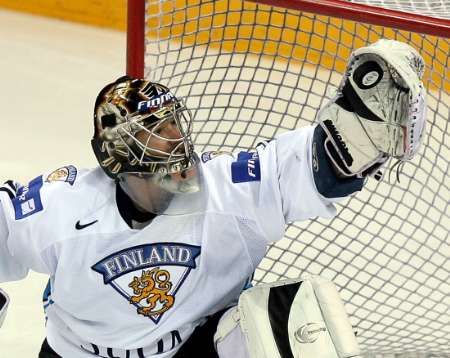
250 72
433 8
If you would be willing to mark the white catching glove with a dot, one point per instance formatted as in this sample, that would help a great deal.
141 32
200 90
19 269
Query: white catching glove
4 302
379 110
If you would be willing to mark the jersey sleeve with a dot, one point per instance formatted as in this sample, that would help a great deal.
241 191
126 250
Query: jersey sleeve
24 218
31 217
299 195
288 192
11 269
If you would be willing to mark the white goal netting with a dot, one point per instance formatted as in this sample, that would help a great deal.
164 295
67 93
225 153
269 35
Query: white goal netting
249 72
433 8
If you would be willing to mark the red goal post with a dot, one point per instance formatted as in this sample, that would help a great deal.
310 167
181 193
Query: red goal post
347 10
369 14
251 70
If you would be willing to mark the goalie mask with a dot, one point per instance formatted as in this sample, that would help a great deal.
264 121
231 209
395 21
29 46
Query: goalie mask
142 140
379 110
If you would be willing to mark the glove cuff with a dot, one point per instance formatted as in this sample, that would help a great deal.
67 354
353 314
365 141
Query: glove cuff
329 183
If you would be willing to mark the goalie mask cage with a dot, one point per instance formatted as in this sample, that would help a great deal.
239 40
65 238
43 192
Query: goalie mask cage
252 70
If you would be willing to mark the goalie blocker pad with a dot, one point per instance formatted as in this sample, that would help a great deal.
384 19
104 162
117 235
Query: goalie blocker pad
4 301
288 319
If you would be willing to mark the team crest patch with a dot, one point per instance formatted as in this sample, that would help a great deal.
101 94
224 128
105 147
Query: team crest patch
149 276
67 174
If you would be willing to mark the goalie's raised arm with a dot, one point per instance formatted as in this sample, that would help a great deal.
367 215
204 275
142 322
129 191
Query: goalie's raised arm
378 113
379 110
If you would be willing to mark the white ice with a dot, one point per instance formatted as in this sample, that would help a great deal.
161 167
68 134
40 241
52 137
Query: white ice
50 73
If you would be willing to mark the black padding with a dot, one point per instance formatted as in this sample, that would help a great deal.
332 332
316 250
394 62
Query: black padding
8 191
9 188
327 182
363 71
201 341
47 351
280 302
357 104
108 120
128 210
344 103
2 301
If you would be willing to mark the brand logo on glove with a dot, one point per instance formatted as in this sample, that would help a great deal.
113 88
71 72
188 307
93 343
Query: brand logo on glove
309 332
370 78
367 75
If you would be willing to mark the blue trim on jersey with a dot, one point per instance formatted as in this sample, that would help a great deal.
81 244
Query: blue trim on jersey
46 296
246 168
248 283
243 156
28 199
47 292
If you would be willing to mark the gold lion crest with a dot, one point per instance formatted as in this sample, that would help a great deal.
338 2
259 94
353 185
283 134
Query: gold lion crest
67 174
153 287
58 175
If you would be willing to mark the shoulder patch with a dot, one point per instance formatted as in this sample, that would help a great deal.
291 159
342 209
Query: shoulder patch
67 174
207 156
28 199
246 168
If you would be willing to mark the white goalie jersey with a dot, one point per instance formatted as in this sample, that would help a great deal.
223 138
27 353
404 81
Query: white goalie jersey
123 292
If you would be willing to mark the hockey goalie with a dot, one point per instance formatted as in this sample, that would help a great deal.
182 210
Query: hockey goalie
150 254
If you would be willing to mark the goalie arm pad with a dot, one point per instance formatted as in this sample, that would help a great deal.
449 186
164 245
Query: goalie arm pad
4 302
293 318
